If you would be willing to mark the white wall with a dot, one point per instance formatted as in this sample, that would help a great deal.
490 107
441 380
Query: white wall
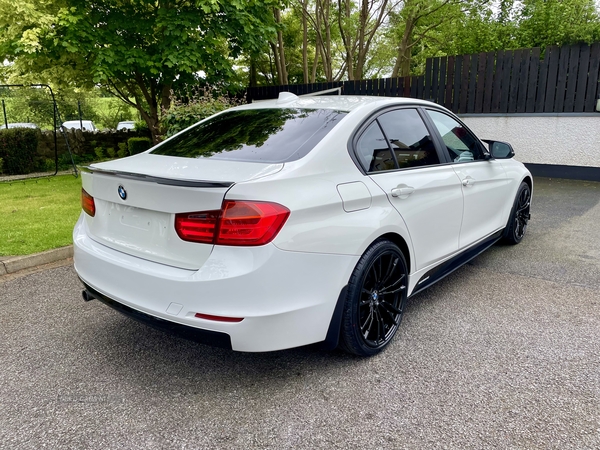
563 140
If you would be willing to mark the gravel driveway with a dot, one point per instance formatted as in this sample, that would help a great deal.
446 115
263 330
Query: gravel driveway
504 353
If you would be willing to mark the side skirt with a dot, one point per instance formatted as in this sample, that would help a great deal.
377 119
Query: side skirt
447 267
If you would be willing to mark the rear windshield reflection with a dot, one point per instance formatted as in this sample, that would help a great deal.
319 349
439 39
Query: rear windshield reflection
257 135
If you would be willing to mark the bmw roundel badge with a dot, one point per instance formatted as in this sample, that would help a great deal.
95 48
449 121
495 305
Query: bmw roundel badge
122 192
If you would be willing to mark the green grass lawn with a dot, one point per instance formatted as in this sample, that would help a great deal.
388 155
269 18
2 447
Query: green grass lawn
38 215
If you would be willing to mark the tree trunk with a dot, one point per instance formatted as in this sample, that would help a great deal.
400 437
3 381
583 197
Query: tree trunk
361 47
280 53
327 44
151 89
357 42
253 73
346 38
272 80
304 41
151 119
403 60
277 62
413 12
318 41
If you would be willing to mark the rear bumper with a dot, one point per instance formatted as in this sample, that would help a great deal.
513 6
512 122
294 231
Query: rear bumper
207 337
286 299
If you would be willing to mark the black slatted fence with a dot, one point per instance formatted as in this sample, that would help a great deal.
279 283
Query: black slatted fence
566 79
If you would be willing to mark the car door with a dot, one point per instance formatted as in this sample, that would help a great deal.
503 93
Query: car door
484 181
397 152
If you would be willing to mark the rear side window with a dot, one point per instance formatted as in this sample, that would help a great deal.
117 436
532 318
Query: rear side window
373 151
409 138
255 135
396 140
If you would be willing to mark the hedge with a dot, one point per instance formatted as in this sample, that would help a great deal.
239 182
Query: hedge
137 145
18 150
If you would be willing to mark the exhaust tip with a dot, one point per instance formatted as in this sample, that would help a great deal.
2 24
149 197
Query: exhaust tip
87 296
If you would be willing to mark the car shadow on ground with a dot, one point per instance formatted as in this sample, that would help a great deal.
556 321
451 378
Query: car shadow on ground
139 355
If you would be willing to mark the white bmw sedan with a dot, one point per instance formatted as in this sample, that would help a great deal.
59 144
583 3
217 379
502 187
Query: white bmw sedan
296 221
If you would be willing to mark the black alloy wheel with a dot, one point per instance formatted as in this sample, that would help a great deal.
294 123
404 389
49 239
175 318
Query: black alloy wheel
520 215
375 301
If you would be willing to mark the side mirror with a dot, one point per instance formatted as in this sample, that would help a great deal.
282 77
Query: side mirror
499 149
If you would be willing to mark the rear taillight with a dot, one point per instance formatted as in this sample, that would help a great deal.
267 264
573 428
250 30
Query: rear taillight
239 223
250 223
197 227
87 203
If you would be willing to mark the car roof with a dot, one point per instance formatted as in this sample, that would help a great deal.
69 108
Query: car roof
20 125
338 102
77 121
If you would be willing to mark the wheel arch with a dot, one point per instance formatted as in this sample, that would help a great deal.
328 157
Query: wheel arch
529 182
402 245
333 333
508 234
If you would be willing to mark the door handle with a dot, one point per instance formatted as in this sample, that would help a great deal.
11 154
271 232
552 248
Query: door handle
468 181
402 191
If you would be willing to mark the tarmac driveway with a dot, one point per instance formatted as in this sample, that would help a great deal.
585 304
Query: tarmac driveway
504 353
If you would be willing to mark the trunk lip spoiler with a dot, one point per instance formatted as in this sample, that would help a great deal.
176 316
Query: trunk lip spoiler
159 180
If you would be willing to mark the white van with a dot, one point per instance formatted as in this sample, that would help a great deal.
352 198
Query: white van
126 125
19 125
87 125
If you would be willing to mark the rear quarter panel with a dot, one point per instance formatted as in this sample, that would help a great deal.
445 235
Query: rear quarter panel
309 188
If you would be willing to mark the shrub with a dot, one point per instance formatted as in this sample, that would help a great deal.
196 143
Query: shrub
40 165
18 150
110 151
122 152
202 104
137 145
49 165
110 111
1 165
141 125
65 162
99 151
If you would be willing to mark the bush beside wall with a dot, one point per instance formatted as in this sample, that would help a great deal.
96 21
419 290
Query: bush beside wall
85 142
25 150
138 145
18 150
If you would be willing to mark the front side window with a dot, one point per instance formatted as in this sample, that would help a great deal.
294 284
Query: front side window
254 135
461 144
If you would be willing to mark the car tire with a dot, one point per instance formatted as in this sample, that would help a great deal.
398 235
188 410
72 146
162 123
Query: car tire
519 216
375 300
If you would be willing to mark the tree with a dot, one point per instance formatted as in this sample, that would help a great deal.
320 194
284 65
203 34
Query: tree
481 28
285 50
320 17
139 50
422 25
513 24
142 50
279 50
359 25
557 22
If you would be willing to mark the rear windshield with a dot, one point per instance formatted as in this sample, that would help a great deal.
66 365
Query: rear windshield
254 135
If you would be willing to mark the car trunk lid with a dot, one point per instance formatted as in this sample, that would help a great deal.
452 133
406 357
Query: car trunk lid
137 198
